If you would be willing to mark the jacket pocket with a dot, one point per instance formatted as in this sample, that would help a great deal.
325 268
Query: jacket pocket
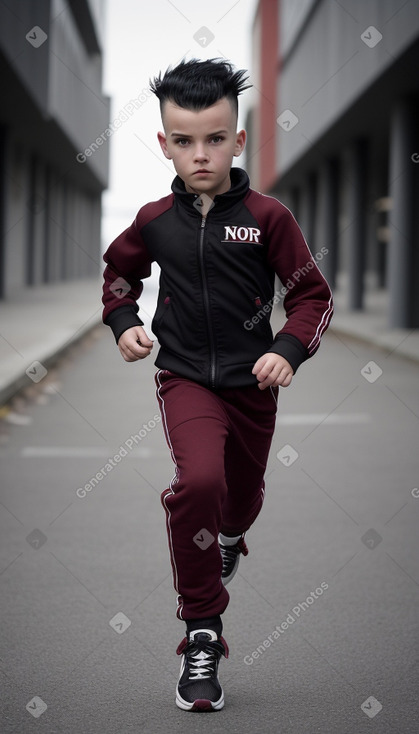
162 310
261 317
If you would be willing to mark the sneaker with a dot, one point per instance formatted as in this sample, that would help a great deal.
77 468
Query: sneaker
198 688
230 555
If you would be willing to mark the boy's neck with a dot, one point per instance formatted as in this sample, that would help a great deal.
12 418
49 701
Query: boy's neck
222 189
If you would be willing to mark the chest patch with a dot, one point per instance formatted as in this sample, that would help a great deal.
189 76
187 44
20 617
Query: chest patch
237 233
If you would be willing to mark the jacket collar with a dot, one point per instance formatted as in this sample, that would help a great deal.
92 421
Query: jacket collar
239 188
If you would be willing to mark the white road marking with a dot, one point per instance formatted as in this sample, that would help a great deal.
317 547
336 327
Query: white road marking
87 452
143 452
313 419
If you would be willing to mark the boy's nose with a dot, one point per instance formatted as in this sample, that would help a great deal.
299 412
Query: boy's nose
200 154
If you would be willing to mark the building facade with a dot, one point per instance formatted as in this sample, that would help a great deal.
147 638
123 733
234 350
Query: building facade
52 109
334 135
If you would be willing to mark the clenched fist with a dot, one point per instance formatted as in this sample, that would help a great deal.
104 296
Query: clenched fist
272 369
134 344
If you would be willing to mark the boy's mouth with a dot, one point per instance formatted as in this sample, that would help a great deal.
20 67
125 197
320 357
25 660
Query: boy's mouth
201 170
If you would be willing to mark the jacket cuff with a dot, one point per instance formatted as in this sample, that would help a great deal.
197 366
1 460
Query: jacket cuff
122 319
289 347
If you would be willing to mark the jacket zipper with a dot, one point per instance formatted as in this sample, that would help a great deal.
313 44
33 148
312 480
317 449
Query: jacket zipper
207 304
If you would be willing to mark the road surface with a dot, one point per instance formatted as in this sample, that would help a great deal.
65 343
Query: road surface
322 624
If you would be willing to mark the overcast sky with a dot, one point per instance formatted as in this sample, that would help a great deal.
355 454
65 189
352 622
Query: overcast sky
142 38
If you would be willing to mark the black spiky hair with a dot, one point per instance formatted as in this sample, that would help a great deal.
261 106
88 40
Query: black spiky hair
195 84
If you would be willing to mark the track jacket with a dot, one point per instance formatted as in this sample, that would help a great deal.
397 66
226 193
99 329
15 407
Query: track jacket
217 283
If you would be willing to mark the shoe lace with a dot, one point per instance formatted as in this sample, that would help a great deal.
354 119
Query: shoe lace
229 556
230 552
201 663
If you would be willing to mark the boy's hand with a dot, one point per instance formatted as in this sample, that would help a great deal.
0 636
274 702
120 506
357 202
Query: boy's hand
272 369
134 344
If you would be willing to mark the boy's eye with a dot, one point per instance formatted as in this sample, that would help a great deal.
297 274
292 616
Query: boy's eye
183 142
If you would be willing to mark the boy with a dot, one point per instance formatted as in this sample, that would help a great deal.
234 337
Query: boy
218 245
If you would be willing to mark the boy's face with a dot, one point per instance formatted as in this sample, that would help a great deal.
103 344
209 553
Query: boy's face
202 145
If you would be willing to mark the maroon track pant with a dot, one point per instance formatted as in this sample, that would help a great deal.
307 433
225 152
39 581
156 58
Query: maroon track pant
219 441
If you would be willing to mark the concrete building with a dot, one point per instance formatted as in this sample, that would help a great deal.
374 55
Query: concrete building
52 111
334 135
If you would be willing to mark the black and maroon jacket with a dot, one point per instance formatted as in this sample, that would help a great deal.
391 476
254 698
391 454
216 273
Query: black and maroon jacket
217 283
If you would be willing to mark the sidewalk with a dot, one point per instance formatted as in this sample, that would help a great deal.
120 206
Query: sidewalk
371 326
42 322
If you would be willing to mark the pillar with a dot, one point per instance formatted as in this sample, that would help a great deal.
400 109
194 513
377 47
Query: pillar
403 217
358 228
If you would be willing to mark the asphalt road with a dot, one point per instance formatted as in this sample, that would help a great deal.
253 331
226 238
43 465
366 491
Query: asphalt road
323 621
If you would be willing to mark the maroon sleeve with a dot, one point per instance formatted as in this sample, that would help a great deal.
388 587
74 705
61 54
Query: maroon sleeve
127 263
308 301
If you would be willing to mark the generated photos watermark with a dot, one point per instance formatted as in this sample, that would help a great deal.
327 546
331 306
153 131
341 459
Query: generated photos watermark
113 461
293 616
123 115
280 294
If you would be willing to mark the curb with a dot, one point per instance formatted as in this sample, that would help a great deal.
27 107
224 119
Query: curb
11 387
385 343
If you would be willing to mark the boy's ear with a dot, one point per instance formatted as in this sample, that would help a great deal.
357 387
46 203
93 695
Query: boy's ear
240 142
163 145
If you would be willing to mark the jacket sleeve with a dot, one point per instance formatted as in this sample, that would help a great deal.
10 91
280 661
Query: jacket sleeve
127 263
308 301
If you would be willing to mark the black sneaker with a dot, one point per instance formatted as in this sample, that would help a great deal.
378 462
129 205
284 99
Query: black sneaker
198 688
230 555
